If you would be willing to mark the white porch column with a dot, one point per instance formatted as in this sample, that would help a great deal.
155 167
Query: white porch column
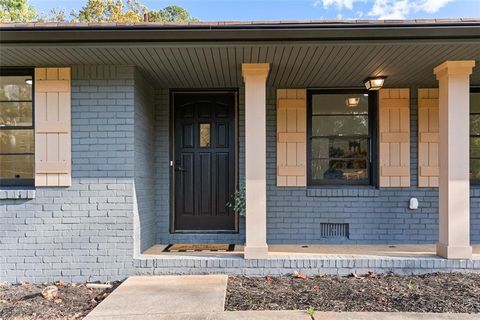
454 151
255 78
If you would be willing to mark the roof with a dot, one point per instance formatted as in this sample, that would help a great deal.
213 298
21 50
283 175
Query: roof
315 54
241 30
160 25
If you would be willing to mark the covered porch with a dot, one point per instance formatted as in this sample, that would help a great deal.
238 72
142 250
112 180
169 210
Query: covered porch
283 209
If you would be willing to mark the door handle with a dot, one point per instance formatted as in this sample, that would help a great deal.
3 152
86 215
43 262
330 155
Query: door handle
179 168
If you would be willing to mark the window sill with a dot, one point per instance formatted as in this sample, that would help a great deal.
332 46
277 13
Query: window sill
344 191
11 194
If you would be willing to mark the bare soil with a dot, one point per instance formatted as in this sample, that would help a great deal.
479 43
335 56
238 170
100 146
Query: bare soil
437 292
25 301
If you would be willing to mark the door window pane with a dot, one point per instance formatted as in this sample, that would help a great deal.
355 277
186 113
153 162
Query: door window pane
204 135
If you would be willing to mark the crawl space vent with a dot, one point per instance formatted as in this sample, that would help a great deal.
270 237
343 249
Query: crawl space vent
334 230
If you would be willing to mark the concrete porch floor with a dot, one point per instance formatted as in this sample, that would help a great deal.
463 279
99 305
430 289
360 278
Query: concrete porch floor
311 260
313 250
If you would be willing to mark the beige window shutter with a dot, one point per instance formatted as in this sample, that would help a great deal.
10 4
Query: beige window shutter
394 115
291 137
428 137
53 127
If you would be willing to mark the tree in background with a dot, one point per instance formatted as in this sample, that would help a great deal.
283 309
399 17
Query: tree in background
110 11
54 15
93 11
16 11
172 13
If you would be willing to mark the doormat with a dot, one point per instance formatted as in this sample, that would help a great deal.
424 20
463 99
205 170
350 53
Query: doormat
187 247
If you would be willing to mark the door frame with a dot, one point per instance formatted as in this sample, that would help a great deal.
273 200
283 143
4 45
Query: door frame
171 141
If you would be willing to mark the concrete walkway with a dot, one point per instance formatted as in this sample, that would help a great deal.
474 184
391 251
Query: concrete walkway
203 298
139 297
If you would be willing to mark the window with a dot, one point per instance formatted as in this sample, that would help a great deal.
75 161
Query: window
340 137
475 136
16 128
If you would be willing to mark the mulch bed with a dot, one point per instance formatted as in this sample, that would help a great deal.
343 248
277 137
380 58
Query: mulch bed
437 292
25 301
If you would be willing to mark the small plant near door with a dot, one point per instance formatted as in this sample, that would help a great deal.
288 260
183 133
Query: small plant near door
238 202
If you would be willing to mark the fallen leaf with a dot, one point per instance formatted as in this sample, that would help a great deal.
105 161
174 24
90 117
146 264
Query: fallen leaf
50 293
299 275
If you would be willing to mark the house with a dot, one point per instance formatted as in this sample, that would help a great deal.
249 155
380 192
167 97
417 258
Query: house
118 137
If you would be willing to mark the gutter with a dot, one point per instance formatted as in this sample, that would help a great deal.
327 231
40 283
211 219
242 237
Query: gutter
237 32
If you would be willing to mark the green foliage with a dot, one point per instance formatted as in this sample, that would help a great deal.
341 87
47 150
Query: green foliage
93 11
110 11
311 311
17 11
172 13
239 201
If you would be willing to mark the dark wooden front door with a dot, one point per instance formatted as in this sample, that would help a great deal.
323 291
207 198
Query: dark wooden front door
204 161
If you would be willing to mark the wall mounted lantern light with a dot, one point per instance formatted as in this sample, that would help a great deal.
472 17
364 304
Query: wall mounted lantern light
374 83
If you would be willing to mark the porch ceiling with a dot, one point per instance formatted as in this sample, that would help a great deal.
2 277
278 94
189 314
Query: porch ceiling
293 64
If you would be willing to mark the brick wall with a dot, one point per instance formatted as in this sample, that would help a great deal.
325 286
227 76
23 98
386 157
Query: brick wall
144 213
85 231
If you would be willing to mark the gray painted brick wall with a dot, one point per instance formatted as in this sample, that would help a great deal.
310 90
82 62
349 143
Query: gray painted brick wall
85 231
144 164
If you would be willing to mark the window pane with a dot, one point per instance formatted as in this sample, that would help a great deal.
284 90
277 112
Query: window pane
340 104
475 124
475 169
15 88
16 141
340 125
320 148
16 166
339 148
16 113
475 102
349 148
337 169
474 147
340 138
204 134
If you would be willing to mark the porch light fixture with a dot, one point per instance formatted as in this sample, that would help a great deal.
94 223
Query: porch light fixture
29 81
374 83
352 102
